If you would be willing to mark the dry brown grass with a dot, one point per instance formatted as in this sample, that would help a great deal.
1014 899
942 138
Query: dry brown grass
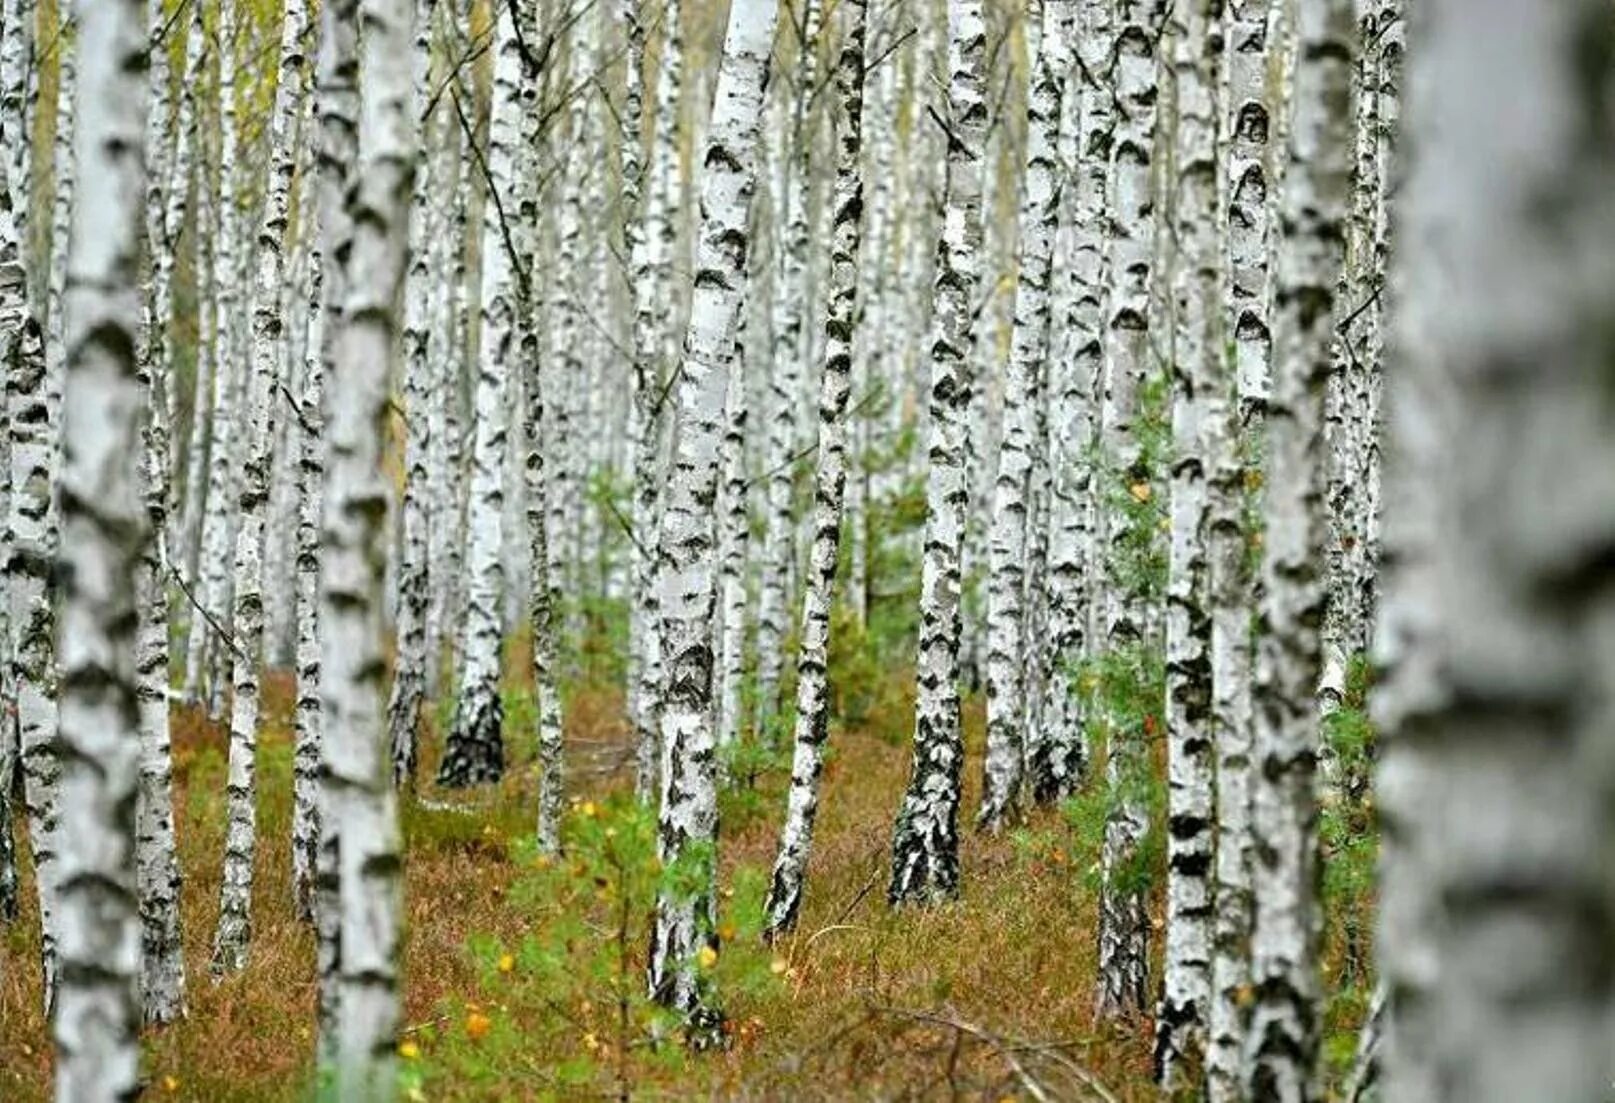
1013 957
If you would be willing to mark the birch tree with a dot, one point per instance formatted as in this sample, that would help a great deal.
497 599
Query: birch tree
414 572
1007 643
813 659
474 753
234 932
1060 756
1283 1044
358 789
925 844
97 1012
687 824
1247 116
1496 770
1123 924
1200 398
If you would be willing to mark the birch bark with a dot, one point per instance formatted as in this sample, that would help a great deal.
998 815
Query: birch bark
1283 1044
353 551
687 824
1008 645
925 844
97 1011
812 664
475 752
1200 401
1123 922
1496 773
233 936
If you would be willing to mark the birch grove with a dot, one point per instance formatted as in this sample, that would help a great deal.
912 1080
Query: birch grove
521 517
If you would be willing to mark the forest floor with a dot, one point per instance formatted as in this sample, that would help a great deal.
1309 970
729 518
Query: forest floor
523 975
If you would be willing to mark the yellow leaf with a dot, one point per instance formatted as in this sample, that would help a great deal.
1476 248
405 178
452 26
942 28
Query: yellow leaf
170 1084
506 963
778 966
409 1051
1141 492
727 932
588 809
706 957
477 1025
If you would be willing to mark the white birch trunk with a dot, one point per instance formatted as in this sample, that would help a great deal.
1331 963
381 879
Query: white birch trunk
652 308
1495 778
474 753
1008 645
220 519
97 1010
813 660
1248 119
337 90
1202 390
1285 1019
233 936
414 571
1123 922
13 318
687 824
734 535
925 844
357 773
157 865
308 721
1060 757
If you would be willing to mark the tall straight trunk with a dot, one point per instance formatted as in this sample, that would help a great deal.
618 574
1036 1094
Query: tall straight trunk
925 843
1123 919
414 572
653 299
157 863
17 67
475 752
233 935
687 824
14 319
733 538
357 773
786 376
542 586
34 391
1284 1031
308 721
1008 644
97 1012
1496 772
813 659
1247 117
219 524
1060 757
336 84
1200 404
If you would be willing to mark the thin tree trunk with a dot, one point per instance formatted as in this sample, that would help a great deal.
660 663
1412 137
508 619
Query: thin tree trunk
813 660
653 304
687 825
414 572
233 937
1008 645
337 90
1200 402
1248 118
97 1012
14 323
1123 922
475 753
925 844
1285 1019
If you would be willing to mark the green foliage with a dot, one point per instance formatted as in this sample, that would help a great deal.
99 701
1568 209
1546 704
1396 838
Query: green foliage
749 763
1122 692
577 976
